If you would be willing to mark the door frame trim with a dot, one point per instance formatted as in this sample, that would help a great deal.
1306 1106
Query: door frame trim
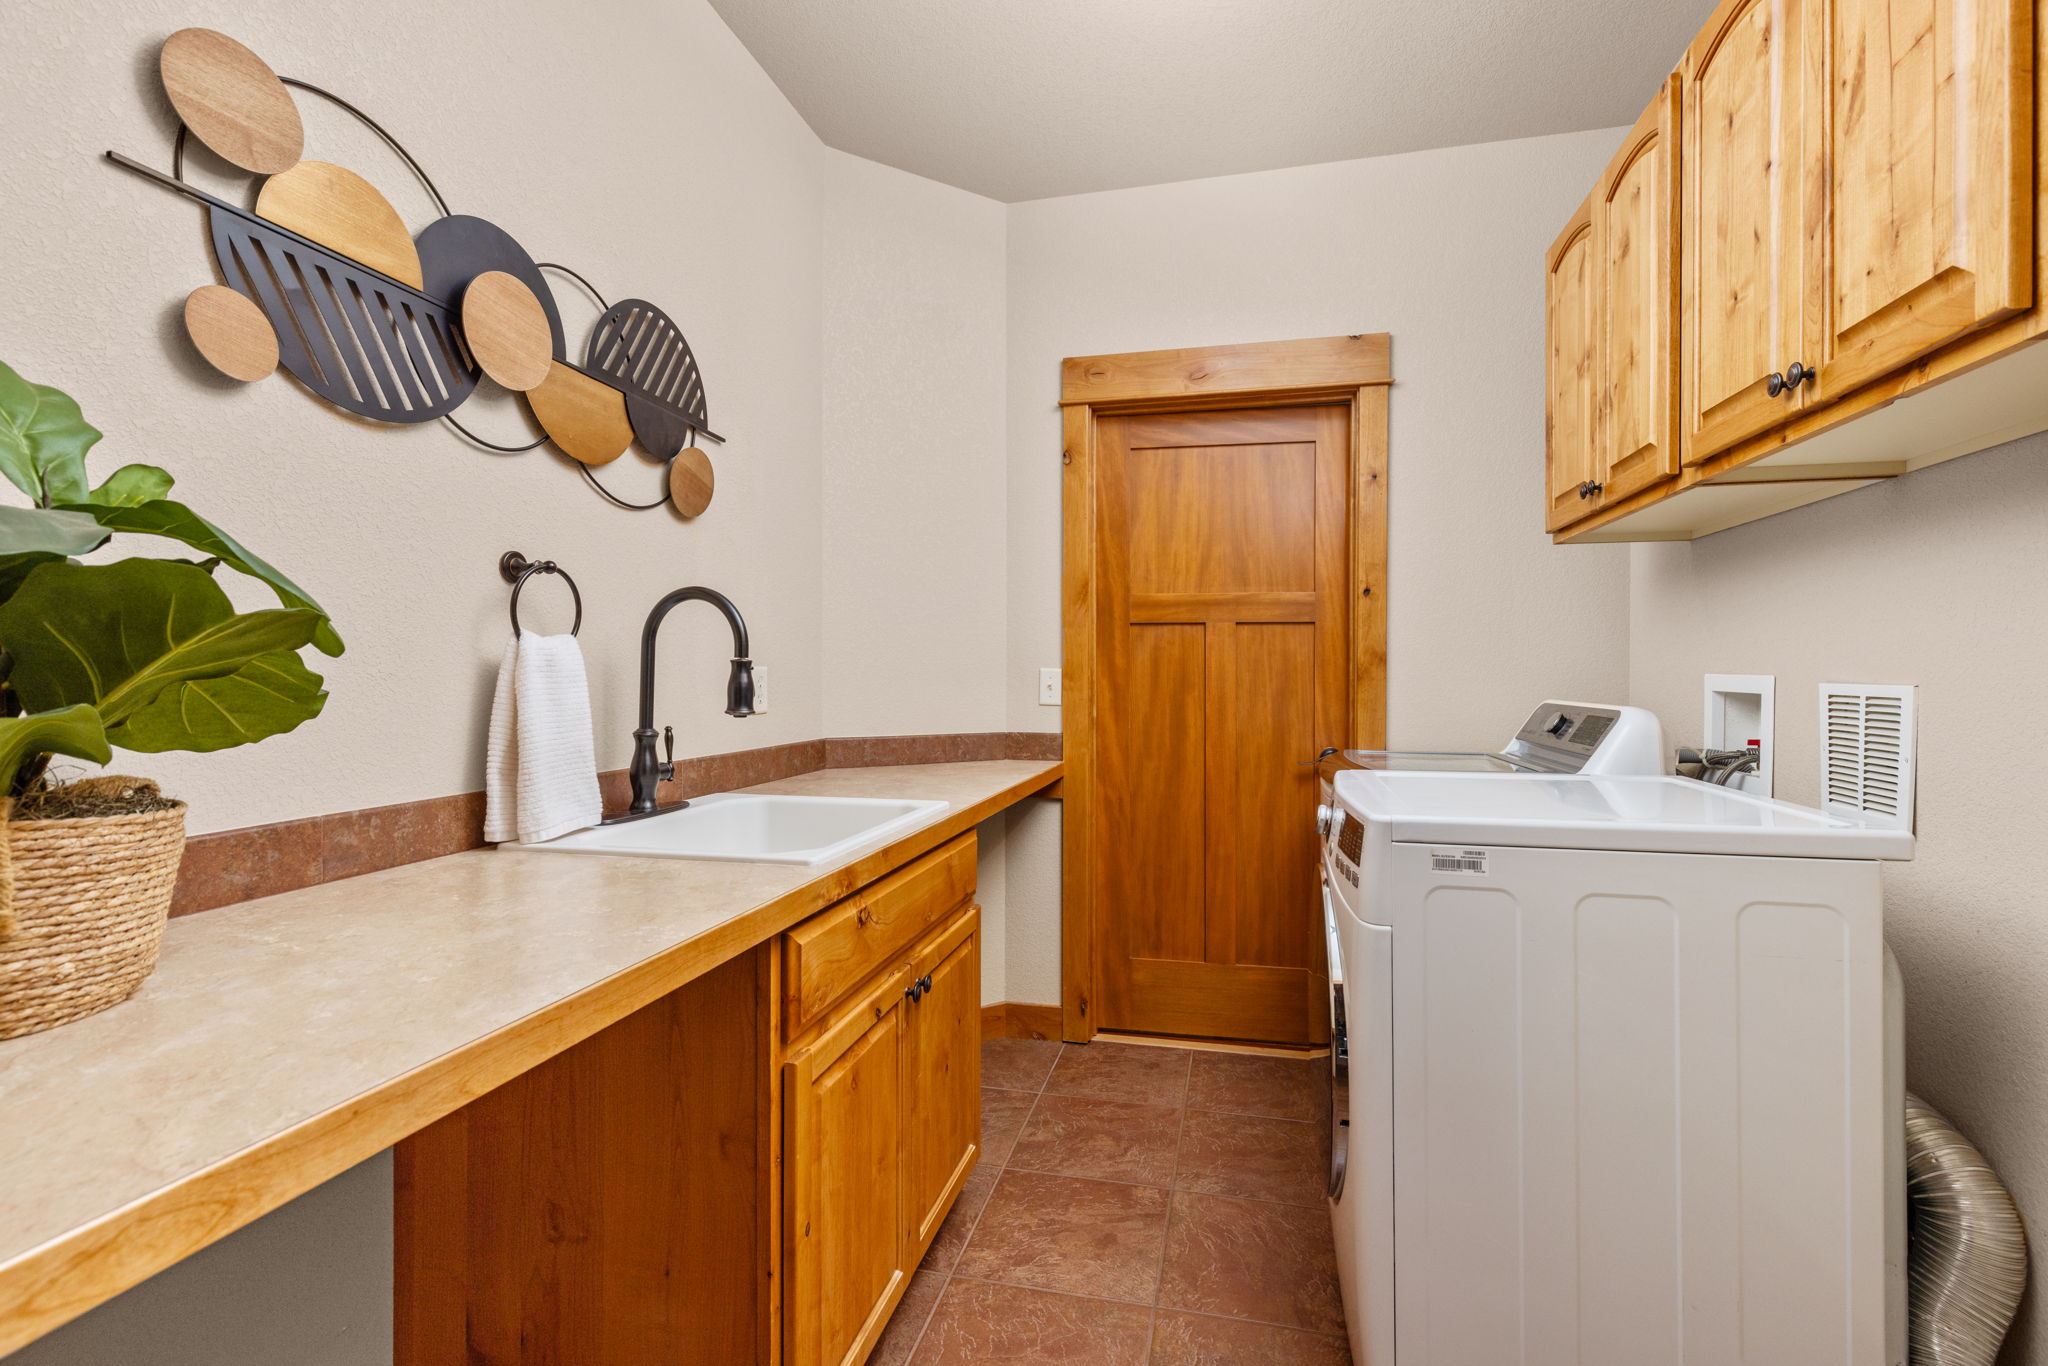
1355 371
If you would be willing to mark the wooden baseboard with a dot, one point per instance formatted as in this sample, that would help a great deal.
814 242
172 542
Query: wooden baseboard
1020 1020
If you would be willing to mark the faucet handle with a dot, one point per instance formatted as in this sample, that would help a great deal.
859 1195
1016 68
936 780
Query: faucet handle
667 771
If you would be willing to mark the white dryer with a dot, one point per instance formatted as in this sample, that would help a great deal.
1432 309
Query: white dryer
1620 1078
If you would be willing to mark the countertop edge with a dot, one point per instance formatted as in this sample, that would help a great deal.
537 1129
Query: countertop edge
54 1282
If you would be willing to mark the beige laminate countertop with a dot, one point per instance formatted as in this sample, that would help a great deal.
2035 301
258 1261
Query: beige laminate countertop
285 1039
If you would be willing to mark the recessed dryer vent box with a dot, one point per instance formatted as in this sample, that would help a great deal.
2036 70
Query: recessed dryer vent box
1741 710
1866 751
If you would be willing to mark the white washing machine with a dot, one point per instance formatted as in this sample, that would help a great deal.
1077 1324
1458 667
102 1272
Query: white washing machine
1618 1074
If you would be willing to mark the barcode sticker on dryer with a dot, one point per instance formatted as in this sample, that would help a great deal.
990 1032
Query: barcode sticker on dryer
1458 861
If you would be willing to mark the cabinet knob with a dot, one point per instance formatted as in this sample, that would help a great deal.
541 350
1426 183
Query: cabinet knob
925 982
1774 384
1593 490
1798 373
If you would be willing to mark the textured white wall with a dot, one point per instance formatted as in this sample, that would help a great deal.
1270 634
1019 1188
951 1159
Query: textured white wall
915 475
1441 249
636 142
1937 579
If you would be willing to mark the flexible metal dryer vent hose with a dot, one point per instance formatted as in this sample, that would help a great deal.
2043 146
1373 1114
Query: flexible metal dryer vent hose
1967 1264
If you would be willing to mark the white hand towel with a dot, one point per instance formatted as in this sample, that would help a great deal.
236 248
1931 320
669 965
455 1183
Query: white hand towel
540 767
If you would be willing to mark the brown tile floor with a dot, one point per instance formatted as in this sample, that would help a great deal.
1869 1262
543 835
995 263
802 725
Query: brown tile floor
1134 1205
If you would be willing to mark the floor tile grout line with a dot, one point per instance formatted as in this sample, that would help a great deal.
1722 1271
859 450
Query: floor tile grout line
1140 1304
1180 1138
910 1357
1070 1294
1262 1323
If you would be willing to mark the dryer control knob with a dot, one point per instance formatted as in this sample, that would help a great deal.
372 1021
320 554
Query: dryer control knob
1325 820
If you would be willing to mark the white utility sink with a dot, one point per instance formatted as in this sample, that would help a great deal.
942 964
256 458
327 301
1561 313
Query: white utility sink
739 827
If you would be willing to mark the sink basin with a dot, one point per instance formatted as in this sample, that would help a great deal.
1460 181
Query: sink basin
753 828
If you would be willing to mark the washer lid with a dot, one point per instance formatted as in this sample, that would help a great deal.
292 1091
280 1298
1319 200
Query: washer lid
1651 815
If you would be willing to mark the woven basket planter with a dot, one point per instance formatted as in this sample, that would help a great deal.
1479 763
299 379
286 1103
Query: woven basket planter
82 909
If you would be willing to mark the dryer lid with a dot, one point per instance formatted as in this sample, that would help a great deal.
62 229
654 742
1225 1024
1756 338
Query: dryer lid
1648 815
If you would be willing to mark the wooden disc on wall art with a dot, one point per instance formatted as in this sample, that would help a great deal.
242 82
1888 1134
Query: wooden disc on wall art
585 417
689 481
507 330
344 212
231 100
231 332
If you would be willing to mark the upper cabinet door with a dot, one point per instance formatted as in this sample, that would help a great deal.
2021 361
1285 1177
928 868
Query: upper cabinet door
1635 253
1925 148
1742 231
1571 316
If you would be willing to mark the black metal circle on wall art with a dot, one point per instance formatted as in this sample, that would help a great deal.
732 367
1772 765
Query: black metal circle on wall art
640 351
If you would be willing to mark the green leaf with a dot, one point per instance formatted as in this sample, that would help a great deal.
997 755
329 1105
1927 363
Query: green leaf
43 440
68 730
119 636
161 517
132 484
53 532
271 693
15 568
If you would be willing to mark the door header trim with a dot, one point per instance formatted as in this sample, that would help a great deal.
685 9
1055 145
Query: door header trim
1242 370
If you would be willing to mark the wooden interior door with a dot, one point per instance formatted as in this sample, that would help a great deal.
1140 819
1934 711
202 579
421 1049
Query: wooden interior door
843 1151
1571 316
1925 140
1743 236
1221 654
944 1076
1635 253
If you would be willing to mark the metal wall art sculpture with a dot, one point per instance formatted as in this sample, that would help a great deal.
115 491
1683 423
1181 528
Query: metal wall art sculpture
323 278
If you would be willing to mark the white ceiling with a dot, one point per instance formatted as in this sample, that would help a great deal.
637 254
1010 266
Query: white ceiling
1024 99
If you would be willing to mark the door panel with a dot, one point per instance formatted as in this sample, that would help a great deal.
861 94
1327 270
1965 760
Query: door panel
1222 558
1275 667
845 1099
1743 231
1635 243
1571 406
944 1044
1926 139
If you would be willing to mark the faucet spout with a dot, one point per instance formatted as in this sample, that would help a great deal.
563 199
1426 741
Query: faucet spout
647 773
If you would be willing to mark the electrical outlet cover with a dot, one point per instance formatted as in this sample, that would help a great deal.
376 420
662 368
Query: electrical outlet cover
1048 687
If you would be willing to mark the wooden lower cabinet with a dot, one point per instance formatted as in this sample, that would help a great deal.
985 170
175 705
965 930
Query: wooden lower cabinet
846 1107
694 1186
944 1046
881 1126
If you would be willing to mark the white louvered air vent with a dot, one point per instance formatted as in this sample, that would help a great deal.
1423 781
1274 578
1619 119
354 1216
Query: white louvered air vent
1866 751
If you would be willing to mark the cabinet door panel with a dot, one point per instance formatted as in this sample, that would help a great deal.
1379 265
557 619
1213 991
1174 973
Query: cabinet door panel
1742 237
944 1048
1926 137
1635 245
845 1102
1571 317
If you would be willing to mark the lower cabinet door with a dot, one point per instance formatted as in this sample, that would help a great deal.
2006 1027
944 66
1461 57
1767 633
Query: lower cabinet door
845 1101
943 1041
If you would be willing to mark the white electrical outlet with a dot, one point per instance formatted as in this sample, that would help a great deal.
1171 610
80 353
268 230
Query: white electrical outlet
760 694
1048 687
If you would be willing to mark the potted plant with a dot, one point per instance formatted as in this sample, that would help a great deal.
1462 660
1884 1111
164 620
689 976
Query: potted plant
141 654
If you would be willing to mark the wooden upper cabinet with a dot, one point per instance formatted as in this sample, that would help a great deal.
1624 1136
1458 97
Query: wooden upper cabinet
1635 258
1742 233
1923 142
1570 316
